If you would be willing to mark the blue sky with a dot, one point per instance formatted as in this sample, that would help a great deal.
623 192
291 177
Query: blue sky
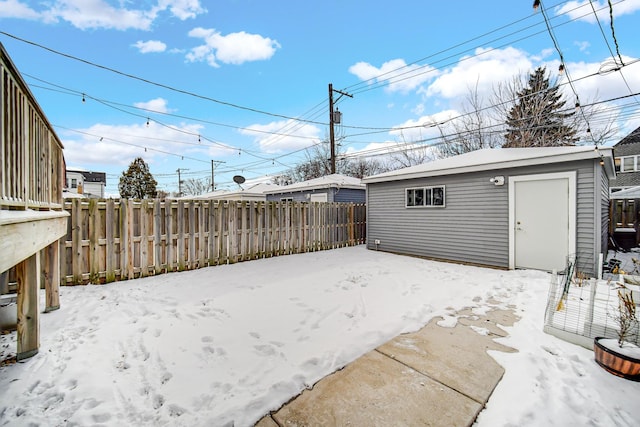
230 80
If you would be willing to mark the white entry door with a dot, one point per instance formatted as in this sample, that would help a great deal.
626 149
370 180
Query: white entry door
542 220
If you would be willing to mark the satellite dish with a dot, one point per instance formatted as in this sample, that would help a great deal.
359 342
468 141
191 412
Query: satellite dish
238 179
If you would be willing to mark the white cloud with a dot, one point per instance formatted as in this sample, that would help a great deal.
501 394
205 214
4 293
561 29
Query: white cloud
483 70
583 11
425 127
150 46
120 144
182 9
291 136
233 48
157 104
399 76
86 14
17 9
601 84
583 46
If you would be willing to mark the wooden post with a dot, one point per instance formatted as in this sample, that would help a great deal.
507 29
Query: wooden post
191 257
145 209
28 278
202 240
94 247
233 231
168 212
213 234
110 253
76 238
180 248
52 277
157 236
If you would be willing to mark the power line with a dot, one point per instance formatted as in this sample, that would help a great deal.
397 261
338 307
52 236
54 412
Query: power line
151 82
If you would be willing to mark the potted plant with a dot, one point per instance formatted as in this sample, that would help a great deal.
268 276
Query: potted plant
620 356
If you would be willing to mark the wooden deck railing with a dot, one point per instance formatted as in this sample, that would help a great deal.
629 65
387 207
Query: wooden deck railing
109 240
31 160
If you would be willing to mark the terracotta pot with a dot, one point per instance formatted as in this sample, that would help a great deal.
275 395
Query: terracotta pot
618 364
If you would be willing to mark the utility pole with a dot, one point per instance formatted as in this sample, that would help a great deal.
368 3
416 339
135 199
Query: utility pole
332 138
213 187
213 162
180 181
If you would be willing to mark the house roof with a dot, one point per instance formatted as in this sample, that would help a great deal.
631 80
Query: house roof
253 190
632 138
91 176
629 193
335 180
499 158
629 145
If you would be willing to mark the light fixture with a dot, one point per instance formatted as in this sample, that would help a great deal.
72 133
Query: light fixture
536 4
561 68
83 100
147 121
497 180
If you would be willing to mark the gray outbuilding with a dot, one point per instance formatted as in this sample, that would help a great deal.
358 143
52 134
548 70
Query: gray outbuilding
506 208
330 188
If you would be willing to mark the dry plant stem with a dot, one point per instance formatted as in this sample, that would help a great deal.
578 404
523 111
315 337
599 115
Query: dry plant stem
626 316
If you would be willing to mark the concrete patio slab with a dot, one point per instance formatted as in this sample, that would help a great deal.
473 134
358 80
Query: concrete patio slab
438 376
377 390
454 356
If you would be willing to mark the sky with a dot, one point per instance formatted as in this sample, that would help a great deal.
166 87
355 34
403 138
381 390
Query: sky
197 354
245 84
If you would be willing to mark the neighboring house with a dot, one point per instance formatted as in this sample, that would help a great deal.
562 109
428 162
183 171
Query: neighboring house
506 208
253 192
625 192
90 184
330 188
627 159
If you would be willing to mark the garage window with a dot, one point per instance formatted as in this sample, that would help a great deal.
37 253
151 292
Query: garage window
425 197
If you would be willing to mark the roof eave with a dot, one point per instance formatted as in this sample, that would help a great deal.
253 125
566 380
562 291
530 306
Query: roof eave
558 158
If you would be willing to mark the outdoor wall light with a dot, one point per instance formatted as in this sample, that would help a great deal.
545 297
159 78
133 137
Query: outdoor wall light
497 180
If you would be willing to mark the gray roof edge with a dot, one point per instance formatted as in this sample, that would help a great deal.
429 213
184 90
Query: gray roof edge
531 161
284 189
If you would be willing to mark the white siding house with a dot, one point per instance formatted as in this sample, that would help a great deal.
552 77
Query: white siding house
89 184
506 208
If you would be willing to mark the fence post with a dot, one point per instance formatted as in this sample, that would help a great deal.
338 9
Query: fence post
130 244
191 253
94 243
144 237
157 236
76 239
110 253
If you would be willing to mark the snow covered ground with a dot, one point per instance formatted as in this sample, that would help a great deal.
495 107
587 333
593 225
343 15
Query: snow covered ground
224 345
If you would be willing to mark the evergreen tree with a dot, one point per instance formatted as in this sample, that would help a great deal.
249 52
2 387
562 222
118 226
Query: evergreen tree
536 119
137 182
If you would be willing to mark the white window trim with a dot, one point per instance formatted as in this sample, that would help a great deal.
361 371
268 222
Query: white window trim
635 164
428 187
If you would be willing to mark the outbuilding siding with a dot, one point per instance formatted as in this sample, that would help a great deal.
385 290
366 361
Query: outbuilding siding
349 195
473 227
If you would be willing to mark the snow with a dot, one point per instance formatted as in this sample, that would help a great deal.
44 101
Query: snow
224 345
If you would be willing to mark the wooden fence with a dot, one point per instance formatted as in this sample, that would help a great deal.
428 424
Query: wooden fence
109 240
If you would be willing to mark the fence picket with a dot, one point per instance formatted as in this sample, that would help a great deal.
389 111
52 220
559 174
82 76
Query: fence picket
110 240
